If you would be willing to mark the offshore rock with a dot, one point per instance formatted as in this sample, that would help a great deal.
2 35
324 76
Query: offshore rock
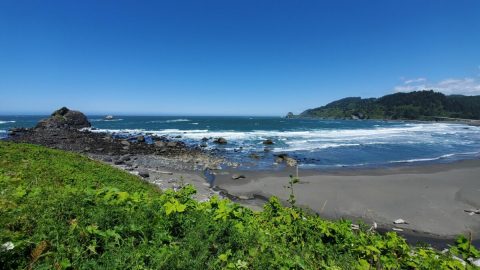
64 118
220 140
268 142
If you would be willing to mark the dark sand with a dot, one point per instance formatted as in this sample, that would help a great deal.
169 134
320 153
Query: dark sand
431 198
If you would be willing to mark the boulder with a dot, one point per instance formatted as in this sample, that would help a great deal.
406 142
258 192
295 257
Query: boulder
290 115
280 158
125 158
204 139
64 118
15 131
143 173
172 144
291 161
140 139
125 142
160 144
268 142
220 140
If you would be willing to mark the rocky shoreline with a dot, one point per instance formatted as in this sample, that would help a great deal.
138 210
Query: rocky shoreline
170 163
164 162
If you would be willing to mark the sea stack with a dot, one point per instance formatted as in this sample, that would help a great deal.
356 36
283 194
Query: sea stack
64 118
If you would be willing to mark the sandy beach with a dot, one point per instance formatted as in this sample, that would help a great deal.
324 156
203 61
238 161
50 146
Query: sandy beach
430 198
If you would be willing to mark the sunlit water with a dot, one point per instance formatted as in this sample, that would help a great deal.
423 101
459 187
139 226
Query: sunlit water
315 143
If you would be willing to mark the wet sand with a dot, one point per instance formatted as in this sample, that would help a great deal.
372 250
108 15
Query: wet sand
431 198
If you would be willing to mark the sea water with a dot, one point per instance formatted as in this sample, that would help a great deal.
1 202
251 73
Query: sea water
314 143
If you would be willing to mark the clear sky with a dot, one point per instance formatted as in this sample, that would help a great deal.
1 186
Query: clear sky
230 57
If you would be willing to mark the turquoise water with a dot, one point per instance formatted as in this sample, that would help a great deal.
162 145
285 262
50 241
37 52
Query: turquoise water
315 143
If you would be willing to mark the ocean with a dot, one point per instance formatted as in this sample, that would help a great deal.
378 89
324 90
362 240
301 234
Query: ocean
320 144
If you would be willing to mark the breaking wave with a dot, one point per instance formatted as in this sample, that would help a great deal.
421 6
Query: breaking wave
6 122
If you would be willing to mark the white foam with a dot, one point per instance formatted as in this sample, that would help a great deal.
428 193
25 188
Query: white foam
309 140
106 120
6 122
169 121
435 158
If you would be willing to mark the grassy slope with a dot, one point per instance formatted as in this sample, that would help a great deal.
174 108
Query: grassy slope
64 211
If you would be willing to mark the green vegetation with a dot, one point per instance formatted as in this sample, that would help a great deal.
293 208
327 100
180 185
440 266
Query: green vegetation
61 210
419 105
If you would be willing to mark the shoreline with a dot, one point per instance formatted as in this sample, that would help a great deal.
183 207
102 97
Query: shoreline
433 197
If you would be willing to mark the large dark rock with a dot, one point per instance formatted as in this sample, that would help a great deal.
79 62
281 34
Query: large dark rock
64 118
268 142
220 141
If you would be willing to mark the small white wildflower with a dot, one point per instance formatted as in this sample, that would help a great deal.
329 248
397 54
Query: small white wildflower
8 246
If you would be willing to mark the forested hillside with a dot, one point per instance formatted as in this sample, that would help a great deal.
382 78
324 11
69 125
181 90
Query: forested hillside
418 105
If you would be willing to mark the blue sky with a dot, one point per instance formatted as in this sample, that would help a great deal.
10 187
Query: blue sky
230 57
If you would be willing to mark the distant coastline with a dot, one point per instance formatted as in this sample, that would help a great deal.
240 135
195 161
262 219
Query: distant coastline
418 105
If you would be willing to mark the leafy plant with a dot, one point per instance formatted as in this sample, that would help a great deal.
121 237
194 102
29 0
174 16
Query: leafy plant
63 211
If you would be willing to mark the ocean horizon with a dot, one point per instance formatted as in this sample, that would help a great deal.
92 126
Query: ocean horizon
314 143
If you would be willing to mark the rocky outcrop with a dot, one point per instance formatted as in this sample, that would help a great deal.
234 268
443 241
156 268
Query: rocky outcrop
290 115
220 141
64 118
268 142
285 158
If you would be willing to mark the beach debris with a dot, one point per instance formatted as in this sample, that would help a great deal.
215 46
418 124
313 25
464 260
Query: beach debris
474 262
354 226
397 229
460 260
323 206
162 172
472 212
374 227
238 176
400 221
268 142
220 140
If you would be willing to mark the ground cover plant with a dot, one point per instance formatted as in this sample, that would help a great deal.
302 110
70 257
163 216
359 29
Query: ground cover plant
61 210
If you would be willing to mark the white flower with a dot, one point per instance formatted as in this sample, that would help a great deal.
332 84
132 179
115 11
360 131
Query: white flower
8 246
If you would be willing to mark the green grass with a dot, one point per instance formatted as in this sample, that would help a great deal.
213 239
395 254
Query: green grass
64 211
